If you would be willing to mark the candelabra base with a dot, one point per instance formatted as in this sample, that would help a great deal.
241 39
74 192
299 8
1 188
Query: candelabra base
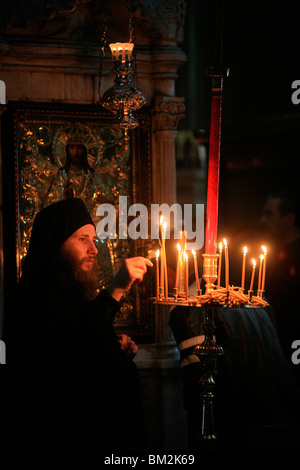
208 353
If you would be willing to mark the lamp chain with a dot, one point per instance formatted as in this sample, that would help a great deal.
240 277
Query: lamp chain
132 38
103 42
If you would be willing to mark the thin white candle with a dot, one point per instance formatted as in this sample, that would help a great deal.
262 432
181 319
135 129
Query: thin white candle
259 272
162 262
226 264
244 267
253 275
165 260
264 269
186 275
157 274
178 265
196 270
220 263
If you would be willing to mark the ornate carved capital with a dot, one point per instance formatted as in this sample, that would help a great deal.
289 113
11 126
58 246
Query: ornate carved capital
163 17
167 112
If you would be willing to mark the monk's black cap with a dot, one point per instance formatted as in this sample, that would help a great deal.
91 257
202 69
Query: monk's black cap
52 226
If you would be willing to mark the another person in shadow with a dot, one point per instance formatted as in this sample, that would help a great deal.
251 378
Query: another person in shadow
281 223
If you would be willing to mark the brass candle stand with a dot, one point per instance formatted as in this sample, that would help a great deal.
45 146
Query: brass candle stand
208 352
210 271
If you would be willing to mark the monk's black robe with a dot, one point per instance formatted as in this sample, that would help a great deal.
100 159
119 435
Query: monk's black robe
68 383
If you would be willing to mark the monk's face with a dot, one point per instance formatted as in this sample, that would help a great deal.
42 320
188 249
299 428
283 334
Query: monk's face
81 246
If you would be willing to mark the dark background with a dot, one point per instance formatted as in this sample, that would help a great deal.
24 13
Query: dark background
260 153
260 124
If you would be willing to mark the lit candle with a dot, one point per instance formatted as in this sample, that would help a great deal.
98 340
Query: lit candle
226 265
178 265
165 261
186 275
157 274
164 230
259 273
196 270
121 51
212 199
161 221
253 274
181 286
162 262
183 241
264 269
243 267
220 263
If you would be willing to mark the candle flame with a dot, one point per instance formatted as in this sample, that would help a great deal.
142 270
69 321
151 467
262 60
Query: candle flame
165 225
194 252
186 256
161 220
253 262
178 247
157 254
264 249
220 246
245 249
262 257
224 241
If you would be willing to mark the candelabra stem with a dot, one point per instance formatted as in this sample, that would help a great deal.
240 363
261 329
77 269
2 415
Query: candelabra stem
208 352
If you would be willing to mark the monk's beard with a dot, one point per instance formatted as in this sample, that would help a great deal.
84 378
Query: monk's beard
74 279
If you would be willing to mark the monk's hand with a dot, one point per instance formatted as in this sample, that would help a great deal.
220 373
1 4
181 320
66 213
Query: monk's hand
128 345
132 270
